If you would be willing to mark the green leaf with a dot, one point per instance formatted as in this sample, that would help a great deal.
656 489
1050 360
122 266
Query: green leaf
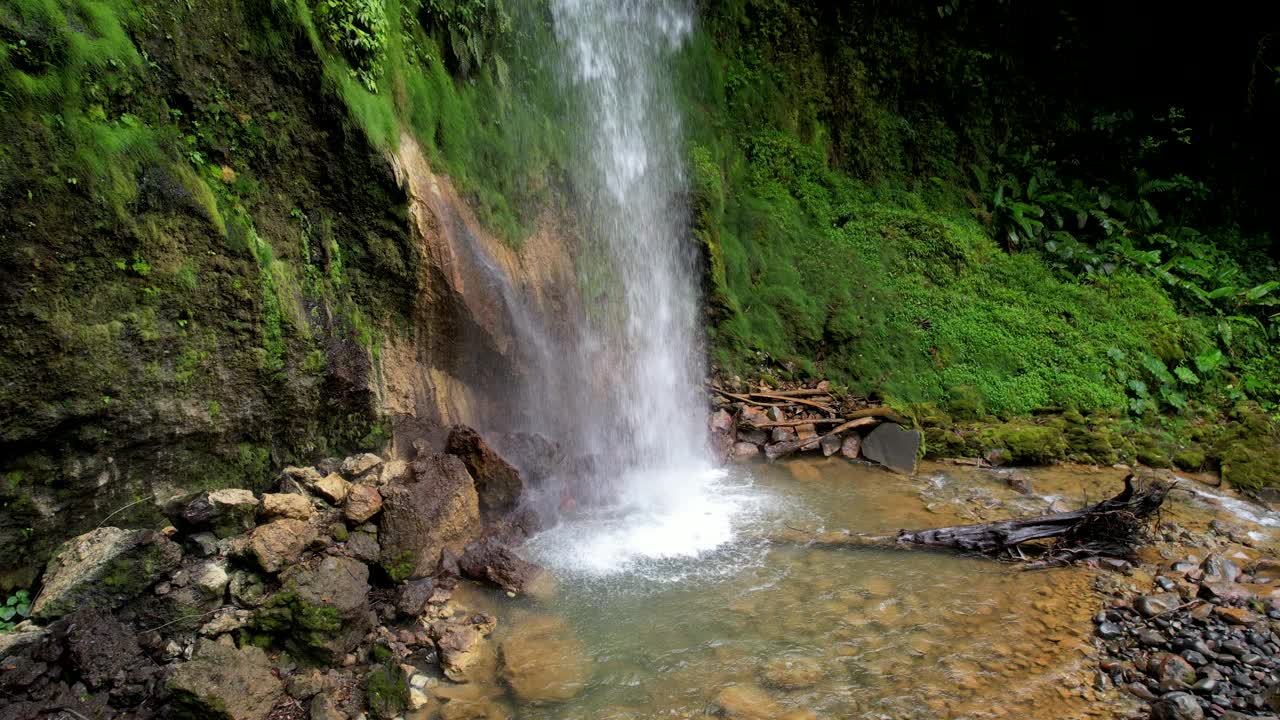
1185 375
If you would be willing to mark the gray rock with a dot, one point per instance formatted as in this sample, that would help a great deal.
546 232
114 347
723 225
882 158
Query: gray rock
323 707
363 547
1151 638
104 568
211 578
357 465
830 445
1177 706
223 682
755 436
744 451
1219 569
338 585
893 446
1109 631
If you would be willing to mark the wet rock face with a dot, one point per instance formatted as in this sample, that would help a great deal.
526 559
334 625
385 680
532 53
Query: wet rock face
499 486
490 560
103 569
439 511
225 682
534 455
893 446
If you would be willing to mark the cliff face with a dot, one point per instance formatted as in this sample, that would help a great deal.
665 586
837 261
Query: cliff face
207 271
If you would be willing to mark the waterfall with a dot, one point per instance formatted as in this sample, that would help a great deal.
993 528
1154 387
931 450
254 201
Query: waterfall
646 424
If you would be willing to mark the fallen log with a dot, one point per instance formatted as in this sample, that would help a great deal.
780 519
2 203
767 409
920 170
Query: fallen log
1111 528
811 392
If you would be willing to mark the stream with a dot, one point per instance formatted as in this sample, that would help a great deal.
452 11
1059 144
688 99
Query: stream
759 629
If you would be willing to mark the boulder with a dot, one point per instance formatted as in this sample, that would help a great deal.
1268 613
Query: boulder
542 661
744 451
498 485
721 422
364 547
1219 569
419 520
755 436
103 568
357 465
279 543
783 434
363 502
830 445
489 560
851 446
413 597
223 682
333 487
286 505
893 446
227 512
460 648
534 455
321 610
750 415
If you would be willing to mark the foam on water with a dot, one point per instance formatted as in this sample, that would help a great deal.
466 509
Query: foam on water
667 524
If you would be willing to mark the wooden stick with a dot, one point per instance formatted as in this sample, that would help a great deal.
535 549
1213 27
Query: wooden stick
801 401
794 393
796 423
855 422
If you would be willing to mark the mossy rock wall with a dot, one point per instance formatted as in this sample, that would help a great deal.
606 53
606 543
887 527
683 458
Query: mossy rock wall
198 258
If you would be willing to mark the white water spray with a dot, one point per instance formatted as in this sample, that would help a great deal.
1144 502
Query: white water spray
643 339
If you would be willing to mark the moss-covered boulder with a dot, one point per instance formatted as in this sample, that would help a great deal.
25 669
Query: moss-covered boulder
386 688
1024 442
103 569
1252 464
224 683
321 611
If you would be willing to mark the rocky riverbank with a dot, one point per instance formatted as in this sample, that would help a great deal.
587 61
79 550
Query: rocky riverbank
335 596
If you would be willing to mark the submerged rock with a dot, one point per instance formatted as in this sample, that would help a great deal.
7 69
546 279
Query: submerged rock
225 682
103 568
746 702
792 673
893 446
498 485
542 662
419 520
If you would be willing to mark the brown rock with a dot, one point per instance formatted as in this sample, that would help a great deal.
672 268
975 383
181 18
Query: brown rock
792 673
279 543
744 451
751 415
783 434
543 662
419 520
721 421
333 487
460 649
498 485
490 560
747 702
1235 615
363 502
806 432
851 446
286 505
1172 671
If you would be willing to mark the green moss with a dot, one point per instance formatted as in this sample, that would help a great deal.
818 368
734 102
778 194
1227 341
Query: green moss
401 568
1252 464
1190 459
1025 443
387 689
306 627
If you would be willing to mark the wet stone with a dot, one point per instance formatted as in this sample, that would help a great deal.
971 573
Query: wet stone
1109 631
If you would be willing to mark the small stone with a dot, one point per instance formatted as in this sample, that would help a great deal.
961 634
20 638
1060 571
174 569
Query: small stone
1151 638
1236 616
1152 605
1195 658
417 698
333 488
1177 706
211 578
1109 631
851 447
363 502
1205 686
830 445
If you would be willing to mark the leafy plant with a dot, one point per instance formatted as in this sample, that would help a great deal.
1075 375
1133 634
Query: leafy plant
358 28
15 609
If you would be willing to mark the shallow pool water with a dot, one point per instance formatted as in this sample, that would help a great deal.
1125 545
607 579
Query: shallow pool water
763 627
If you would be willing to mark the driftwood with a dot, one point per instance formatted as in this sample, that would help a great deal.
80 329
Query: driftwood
1111 528
811 392
787 400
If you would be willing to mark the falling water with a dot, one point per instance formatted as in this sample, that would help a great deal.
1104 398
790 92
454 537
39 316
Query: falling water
641 345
